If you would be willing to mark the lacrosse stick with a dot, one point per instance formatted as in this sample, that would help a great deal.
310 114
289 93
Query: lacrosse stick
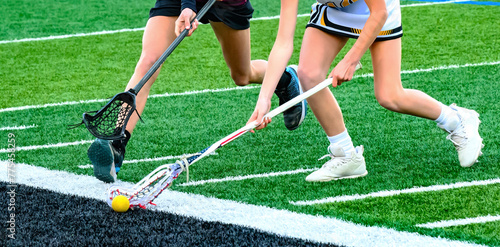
110 122
145 191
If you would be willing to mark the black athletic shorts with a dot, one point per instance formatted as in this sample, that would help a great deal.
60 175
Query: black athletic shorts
236 17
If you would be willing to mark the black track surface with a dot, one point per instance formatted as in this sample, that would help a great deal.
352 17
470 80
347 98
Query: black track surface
46 218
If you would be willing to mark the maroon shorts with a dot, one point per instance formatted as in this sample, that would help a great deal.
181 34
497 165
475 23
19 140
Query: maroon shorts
234 13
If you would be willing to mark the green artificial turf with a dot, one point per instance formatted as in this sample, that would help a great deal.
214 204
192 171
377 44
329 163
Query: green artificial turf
401 151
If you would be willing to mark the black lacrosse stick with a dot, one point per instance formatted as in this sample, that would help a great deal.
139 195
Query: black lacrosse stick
110 122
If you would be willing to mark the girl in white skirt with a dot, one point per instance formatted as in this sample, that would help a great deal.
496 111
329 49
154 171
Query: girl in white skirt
376 24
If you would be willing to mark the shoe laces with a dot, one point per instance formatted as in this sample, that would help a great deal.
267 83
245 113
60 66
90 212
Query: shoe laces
335 161
458 136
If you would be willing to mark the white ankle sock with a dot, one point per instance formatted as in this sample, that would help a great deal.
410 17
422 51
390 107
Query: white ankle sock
448 119
344 140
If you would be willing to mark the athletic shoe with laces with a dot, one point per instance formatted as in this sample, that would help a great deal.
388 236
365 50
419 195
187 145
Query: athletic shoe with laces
106 159
294 116
339 166
465 137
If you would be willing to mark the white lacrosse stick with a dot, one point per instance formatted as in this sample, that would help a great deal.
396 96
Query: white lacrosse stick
146 190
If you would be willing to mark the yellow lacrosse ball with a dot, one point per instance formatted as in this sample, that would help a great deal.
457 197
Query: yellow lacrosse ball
120 204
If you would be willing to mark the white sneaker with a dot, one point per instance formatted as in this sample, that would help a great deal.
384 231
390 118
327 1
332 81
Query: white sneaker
466 137
339 166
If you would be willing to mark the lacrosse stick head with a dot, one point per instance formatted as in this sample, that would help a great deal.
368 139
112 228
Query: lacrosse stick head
109 123
149 188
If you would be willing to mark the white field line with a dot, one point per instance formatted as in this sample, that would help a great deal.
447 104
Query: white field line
87 166
146 160
461 222
387 193
449 67
72 35
125 30
281 222
239 178
142 28
57 145
20 108
22 127
431 3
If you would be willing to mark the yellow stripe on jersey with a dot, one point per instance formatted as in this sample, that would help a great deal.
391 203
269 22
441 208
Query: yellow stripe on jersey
340 3
323 19
385 32
382 33
331 5
349 22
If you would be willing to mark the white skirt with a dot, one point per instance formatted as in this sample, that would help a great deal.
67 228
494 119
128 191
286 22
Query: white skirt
349 18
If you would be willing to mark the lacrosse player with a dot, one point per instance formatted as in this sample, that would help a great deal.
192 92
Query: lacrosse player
230 21
376 24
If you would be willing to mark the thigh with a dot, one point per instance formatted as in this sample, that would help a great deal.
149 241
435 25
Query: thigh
317 53
386 59
235 45
158 35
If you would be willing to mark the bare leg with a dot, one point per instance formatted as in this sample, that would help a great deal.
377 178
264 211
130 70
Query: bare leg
388 88
317 53
158 35
391 95
235 46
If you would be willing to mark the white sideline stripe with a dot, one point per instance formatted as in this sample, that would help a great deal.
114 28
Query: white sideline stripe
218 90
22 127
142 28
450 67
66 36
431 3
281 222
57 145
20 108
72 35
145 160
461 222
87 166
239 178
387 193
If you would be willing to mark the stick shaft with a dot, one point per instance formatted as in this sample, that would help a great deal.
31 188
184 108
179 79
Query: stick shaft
231 137
270 114
299 98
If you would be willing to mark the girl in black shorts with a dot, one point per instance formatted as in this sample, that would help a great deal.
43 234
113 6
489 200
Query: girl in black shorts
230 21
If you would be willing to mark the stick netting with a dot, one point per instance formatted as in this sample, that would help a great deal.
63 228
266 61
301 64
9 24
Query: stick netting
109 123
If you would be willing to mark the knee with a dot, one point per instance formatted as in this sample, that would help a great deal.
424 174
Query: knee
309 78
389 101
145 63
240 79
